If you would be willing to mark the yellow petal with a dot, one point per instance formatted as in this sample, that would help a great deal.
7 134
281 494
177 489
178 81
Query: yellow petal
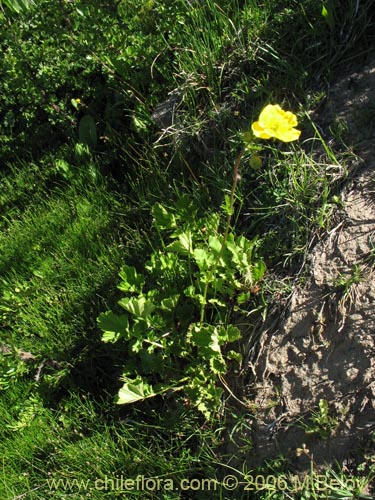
275 122
259 131
288 135
269 115
291 118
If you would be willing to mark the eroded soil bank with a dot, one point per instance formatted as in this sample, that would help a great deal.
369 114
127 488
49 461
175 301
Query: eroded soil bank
323 351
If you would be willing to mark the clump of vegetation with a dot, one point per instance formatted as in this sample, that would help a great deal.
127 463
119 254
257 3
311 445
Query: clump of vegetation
199 273
92 183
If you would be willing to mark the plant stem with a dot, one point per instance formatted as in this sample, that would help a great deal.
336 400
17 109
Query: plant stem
236 168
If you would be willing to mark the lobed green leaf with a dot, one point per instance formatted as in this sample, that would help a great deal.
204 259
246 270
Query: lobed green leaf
131 280
113 326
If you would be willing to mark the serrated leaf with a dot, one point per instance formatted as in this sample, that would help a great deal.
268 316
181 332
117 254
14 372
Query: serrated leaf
163 218
170 303
185 206
137 390
183 245
242 298
229 333
217 365
191 292
217 302
206 338
138 306
113 326
131 280
159 261
134 390
87 131
205 394
236 356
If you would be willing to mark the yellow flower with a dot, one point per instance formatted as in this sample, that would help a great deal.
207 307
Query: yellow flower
275 122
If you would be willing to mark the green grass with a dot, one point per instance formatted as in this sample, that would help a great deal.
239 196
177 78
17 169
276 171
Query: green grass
290 195
79 449
55 256
70 217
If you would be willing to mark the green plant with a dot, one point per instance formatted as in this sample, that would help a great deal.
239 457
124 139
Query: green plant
321 422
178 323
13 367
349 488
370 257
97 69
27 410
17 6
345 282
178 320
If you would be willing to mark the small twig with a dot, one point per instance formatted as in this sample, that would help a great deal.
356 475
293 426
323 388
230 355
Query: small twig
231 393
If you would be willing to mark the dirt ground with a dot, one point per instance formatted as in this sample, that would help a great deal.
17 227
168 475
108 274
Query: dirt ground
322 351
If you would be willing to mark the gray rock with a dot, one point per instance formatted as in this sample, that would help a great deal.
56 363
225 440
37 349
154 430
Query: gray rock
164 113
